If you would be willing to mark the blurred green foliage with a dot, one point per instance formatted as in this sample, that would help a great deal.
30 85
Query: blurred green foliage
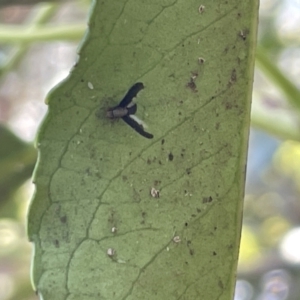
17 158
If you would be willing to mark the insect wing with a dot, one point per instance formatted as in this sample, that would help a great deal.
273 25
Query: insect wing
133 91
137 127
131 110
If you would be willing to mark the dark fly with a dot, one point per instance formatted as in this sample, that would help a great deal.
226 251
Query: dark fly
126 110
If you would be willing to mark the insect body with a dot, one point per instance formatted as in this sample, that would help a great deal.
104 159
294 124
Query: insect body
127 108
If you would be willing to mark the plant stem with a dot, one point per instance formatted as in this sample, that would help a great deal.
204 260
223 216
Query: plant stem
43 14
278 78
14 34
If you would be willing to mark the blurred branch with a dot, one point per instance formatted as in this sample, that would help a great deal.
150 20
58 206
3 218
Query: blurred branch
278 127
16 34
44 13
278 78
23 2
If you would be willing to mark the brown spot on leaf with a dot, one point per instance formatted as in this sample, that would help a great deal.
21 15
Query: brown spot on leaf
233 77
244 33
63 219
220 284
191 84
207 199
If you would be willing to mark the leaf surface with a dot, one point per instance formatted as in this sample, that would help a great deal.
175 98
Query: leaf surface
94 177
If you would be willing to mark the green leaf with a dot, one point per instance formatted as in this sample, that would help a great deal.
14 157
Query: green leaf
98 232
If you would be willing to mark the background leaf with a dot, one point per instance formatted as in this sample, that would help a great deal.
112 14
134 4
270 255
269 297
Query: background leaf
17 160
94 175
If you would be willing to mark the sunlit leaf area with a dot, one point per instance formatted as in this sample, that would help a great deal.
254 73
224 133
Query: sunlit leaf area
37 50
